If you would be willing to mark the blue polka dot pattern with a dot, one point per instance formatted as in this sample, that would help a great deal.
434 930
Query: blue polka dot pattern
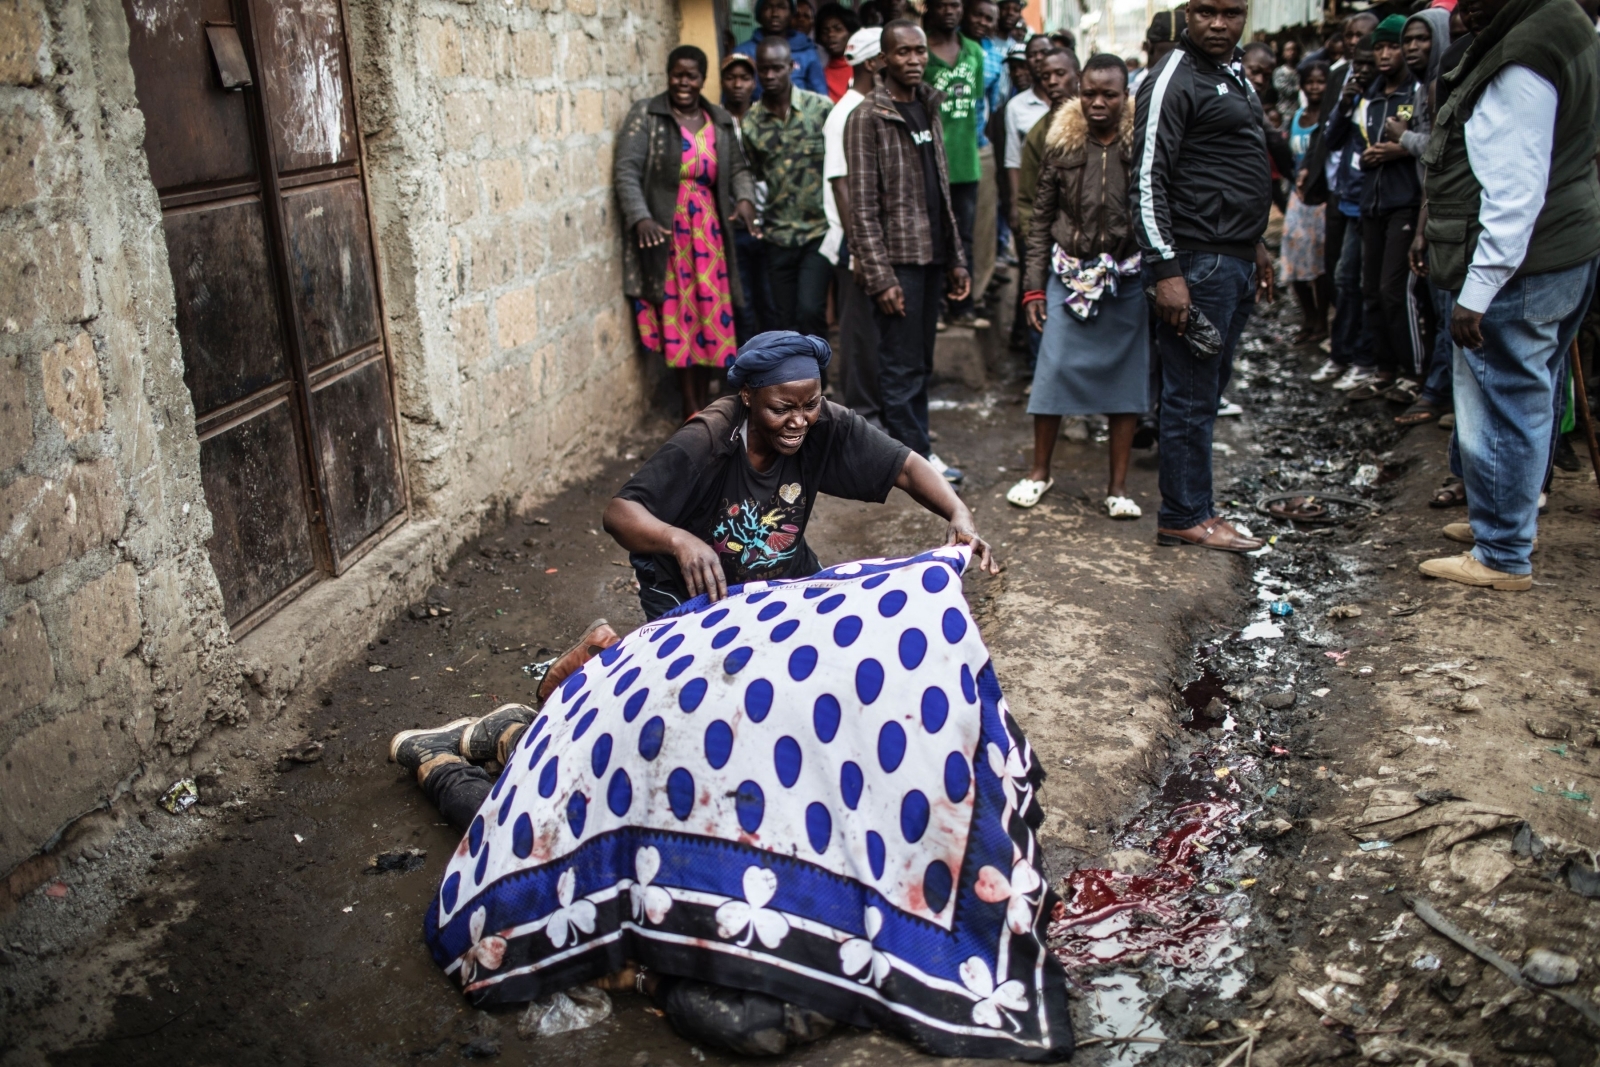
802 661
957 777
679 665
892 603
651 736
935 709
737 659
475 836
786 761
784 630
577 707
869 680
875 853
850 783
505 806
664 631
875 581
913 647
577 813
538 753
522 836
969 688
954 625
758 699
609 656
619 794
771 611
692 693
825 715
635 704
629 676
751 805
934 579
584 723
450 891
547 777
846 630
719 744
829 605
669 646
680 793
714 618
725 638
891 746
570 687
819 826
914 813
936 885
600 755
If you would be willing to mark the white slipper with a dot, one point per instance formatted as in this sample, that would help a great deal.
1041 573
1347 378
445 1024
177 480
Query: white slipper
1026 493
1120 507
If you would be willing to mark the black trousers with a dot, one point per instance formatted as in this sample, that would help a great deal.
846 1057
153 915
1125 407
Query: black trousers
799 278
858 345
905 354
1333 243
457 790
1386 291
964 202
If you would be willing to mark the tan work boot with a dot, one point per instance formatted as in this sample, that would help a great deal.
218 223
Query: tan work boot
595 640
1460 531
1466 569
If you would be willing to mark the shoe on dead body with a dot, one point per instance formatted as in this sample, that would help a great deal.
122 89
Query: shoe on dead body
414 749
1466 569
487 739
596 639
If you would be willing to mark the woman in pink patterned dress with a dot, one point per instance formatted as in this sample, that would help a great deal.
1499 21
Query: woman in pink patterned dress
681 180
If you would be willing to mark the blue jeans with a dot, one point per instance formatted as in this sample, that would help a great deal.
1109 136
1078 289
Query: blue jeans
1508 394
1352 342
1437 389
1223 287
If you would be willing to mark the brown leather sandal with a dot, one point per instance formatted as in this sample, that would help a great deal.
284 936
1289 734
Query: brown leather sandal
1214 534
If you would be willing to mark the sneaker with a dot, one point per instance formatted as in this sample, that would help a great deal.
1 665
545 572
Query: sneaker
1328 371
1225 409
1466 569
953 475
413 748
971 322
1354 377
482 741
595 640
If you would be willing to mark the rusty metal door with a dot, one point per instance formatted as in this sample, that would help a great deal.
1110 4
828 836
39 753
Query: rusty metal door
250 132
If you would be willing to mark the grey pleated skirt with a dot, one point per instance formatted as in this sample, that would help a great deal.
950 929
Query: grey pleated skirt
1099 367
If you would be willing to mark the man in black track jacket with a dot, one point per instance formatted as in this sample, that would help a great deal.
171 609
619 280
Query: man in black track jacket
1201 192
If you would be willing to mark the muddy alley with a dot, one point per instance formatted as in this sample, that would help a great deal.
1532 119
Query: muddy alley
1272 781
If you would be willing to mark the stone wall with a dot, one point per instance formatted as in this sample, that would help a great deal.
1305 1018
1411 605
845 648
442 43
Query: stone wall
488 131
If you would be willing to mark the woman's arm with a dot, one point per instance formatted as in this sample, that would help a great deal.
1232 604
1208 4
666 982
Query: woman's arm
629 165
927 487
636 530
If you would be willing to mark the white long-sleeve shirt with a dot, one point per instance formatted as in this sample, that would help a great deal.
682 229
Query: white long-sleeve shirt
1510 137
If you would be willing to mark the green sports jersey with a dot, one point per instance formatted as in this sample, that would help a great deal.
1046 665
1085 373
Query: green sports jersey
962 86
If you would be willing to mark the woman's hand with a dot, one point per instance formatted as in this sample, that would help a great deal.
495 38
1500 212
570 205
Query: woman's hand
651 233
1034 312
963 531
745 212
700 565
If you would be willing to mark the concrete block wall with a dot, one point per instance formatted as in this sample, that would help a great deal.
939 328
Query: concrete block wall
489 130
113 651
488 127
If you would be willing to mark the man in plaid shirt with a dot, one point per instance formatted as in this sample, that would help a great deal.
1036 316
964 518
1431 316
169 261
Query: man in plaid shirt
904 243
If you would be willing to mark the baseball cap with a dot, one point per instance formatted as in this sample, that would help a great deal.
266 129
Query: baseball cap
738 57
863 45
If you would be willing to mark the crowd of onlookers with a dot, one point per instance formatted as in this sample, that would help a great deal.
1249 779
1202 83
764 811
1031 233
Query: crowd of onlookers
882 171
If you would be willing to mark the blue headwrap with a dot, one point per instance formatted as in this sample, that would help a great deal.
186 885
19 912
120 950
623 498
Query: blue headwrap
779 356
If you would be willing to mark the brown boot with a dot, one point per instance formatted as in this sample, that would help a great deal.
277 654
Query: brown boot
599 637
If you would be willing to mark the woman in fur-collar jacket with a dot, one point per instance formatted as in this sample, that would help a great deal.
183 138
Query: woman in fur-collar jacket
1081 286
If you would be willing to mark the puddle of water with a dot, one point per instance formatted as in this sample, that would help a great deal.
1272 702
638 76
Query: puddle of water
1122 1008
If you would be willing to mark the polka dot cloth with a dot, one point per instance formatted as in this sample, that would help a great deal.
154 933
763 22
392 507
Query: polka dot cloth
809 720
788 758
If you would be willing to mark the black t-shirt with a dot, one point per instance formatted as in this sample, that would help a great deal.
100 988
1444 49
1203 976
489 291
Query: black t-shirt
916 116
701 480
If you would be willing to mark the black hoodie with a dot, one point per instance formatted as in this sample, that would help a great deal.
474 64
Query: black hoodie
1201 178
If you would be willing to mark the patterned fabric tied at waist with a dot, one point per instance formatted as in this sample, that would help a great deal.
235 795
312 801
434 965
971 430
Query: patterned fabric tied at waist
1086 280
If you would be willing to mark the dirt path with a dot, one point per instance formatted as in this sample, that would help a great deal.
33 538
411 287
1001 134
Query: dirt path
250 931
